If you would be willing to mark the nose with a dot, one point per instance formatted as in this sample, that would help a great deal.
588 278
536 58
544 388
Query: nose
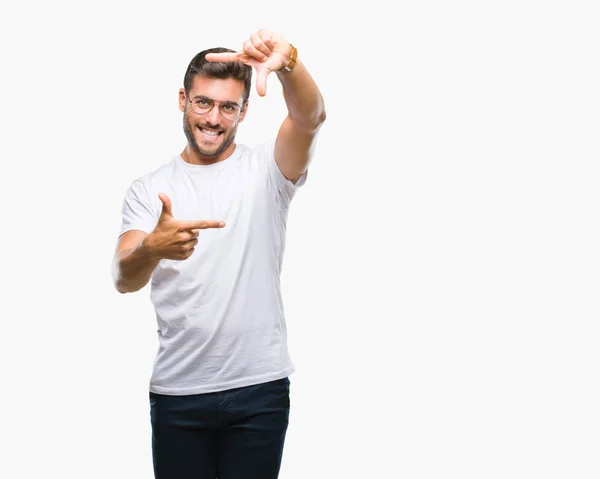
213 116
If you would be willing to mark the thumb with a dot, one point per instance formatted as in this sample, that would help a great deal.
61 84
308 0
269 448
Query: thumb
166 209
261 81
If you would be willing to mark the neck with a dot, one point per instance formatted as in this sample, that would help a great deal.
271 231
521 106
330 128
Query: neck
190 155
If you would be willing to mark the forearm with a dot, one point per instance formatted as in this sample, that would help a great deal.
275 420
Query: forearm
303 98
133 268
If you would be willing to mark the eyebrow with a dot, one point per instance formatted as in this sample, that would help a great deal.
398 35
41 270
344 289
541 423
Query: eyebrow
224 102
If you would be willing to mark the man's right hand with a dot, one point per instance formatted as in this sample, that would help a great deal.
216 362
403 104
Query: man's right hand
172 238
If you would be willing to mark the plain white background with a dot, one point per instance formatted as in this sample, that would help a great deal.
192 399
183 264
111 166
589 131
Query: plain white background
442 266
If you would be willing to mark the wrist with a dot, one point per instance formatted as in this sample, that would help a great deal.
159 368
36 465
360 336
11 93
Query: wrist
291 61
147 248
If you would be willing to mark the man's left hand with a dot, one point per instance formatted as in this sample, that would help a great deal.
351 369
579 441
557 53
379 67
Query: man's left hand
265 51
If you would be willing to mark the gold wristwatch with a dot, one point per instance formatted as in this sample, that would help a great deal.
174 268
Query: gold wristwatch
291 61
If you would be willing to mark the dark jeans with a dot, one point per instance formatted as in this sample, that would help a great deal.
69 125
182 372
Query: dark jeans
233 434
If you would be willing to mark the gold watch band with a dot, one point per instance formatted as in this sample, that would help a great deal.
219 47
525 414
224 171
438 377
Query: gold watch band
291 63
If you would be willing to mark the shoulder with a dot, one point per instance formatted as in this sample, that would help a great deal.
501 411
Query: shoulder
157 176
264 149
256 154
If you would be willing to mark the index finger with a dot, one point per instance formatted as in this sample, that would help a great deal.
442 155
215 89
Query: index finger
200 225
224 57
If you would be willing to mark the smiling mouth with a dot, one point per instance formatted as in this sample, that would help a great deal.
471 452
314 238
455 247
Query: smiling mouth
209 134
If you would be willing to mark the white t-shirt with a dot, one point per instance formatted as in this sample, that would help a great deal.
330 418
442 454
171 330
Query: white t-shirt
220 314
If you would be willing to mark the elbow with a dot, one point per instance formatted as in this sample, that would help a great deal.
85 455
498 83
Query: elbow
115 274
124 287
311 125
319 117
117 280
121 287
322 117
319 120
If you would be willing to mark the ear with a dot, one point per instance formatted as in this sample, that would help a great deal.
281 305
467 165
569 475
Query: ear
244 111
182 99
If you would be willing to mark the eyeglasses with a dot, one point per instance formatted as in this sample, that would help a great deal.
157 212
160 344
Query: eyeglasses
230 110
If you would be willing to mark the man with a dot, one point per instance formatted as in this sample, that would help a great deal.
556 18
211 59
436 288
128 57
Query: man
209 228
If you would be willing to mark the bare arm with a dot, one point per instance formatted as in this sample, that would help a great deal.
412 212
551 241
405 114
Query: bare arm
133 262
306 113
138 253
268 52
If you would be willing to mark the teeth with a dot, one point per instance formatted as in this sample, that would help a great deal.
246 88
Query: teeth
209 132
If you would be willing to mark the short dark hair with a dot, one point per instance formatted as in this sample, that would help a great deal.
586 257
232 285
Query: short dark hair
200 66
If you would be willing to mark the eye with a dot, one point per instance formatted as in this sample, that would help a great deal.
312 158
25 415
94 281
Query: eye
202 101
228 108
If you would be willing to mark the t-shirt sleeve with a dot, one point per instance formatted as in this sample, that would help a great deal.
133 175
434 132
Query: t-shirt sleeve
284 188
137 212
